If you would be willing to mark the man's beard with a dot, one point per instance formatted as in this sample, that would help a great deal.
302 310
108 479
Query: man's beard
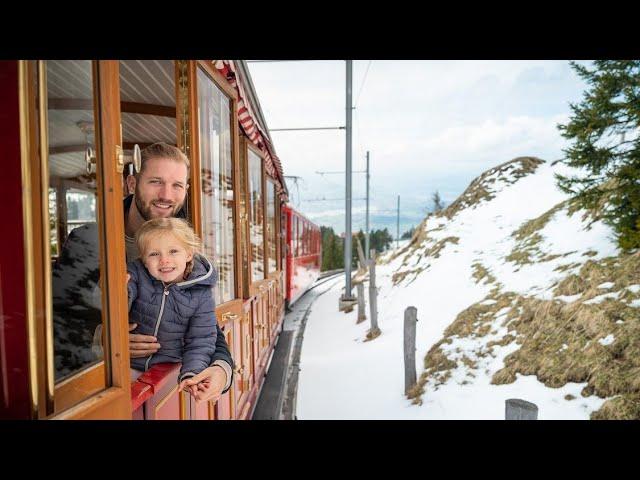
145 211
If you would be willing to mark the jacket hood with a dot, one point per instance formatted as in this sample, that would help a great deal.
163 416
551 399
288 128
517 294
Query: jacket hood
203 273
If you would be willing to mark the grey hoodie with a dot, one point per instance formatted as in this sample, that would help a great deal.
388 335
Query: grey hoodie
181 316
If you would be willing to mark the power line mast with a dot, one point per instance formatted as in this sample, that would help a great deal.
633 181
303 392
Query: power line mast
398 225
366 236
348 298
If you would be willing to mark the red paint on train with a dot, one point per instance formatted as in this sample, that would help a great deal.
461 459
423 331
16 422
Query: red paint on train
304 253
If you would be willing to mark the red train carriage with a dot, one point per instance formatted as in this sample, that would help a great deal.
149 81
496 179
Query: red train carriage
68 130
304 253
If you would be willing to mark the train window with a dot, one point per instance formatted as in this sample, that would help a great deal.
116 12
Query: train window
271 226
300 237
75 245
148 104
218 197
256 216
294 235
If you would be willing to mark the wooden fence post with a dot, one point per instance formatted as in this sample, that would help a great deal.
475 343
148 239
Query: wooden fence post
410 319
373 301
516 409
362 316
363 261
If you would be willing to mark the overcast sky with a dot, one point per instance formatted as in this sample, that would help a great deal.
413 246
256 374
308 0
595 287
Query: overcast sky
429 125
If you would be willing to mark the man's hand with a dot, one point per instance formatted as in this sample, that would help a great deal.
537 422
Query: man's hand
141 345
209 383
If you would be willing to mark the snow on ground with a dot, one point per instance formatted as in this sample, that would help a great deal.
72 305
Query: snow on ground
343 377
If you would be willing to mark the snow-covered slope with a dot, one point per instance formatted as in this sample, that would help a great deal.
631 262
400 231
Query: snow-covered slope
503 281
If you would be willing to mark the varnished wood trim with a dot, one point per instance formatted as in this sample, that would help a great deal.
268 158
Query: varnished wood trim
148 109
194 144
74 390
218 78
128 107
25 90
45 281
106 405
165 399
109 181
237 228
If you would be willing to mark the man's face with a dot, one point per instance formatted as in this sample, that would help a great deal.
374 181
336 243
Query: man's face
161 188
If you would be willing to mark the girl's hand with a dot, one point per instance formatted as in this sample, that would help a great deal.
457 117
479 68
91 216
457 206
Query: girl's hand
184 386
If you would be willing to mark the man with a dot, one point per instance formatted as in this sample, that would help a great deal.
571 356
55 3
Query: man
160 190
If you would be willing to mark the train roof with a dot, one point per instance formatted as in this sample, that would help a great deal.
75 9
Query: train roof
300 214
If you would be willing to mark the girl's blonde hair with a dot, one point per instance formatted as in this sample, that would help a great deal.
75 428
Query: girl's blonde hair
178 227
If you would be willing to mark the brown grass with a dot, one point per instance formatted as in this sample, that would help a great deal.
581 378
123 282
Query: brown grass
528 239
372 334
559 342
480 272
479 190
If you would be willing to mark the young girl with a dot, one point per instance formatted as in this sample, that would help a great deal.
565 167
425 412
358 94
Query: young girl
171 298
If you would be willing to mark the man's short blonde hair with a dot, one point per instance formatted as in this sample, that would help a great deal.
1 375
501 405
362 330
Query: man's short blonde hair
177 227
163 150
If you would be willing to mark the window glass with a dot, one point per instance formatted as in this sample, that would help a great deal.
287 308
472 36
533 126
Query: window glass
77 299
256 216
294 236
271 226
300 237
214 114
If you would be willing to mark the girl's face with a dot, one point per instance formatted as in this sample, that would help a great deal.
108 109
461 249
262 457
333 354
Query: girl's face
166 258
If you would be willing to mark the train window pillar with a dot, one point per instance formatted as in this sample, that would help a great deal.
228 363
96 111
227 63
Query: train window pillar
76 309
217 179
271 227
256 216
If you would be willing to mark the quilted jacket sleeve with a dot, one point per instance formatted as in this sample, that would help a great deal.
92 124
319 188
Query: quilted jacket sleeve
132 284
200 338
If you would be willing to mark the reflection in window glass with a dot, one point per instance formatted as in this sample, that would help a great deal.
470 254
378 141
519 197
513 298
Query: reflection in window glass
271 225
77 304
214 114
256 219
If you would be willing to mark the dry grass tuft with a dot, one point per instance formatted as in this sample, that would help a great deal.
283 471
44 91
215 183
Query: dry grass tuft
625 407
372 334
480 272
480 189
560 342
528 239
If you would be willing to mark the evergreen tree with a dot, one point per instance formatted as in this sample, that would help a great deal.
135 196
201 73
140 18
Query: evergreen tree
332 249
408 234
604 128
437 202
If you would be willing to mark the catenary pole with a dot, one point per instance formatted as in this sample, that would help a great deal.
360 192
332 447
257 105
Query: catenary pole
398 225
366 232
347 230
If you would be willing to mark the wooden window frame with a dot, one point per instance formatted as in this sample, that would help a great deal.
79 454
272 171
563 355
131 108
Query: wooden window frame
102 390
252 282
192 139
271 183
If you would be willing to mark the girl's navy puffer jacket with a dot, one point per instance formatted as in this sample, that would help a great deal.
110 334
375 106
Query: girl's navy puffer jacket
180 315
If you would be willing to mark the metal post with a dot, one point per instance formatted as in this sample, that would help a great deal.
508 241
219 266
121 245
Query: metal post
410 319
347 230
398 225
366 233
516 409
373 292
362 316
